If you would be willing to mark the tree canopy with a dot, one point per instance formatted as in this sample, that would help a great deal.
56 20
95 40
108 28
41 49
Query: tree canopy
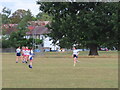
17 38
89 24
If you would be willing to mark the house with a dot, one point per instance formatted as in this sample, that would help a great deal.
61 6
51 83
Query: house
7 29
37 30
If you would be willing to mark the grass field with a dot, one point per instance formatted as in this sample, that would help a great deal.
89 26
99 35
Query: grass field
56 70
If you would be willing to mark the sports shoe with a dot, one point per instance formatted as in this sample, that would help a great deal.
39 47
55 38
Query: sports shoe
30 66
23 61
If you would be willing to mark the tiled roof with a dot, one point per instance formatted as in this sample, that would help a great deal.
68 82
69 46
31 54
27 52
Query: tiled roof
9 28
38 30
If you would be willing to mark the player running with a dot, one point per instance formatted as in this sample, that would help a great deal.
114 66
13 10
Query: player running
18 54
75 55
31 57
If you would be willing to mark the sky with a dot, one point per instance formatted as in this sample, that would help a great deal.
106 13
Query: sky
14 5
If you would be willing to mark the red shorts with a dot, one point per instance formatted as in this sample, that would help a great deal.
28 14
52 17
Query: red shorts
27 55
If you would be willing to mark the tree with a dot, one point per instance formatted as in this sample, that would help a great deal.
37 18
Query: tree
5 42
19 14
18 37
5 15
83 23
43 16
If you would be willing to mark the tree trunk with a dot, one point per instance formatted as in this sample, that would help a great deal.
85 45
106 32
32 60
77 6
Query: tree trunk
93 49
118 48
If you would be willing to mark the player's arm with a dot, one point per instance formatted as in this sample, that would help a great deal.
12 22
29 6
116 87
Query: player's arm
77 53
21 52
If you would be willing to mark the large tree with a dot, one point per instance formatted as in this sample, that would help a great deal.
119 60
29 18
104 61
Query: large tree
18 37
5 15
43 16
89 24
19 14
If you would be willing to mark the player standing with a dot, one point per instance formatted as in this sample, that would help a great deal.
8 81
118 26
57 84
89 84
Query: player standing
23 54
18 54
75 55
27 53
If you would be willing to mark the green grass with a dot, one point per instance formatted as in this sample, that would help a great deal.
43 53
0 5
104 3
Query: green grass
56 70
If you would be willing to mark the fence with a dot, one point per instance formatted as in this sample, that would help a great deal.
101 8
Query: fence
8 50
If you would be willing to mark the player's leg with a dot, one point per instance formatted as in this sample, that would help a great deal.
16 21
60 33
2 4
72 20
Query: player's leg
77 59
31 60
27 58
74 61
16 59
23 58
30 65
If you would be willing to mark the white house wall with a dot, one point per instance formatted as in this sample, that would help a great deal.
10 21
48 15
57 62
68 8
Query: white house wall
48 43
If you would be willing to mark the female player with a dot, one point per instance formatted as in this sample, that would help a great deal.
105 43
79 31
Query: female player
27 53
75 55
31 58
23 54
18 54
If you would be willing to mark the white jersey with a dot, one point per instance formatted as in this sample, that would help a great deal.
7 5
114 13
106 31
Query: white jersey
27 52
31 54
18 50
76 52
23 51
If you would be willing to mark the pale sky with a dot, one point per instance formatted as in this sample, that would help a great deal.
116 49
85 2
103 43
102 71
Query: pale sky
14 5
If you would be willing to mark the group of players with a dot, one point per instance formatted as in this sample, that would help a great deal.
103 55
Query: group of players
25 54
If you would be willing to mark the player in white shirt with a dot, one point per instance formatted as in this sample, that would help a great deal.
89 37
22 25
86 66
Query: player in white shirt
31 57
23 54
27 53
18 54
75 55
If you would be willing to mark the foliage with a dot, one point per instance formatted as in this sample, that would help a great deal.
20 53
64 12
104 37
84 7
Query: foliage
43 16
83 23
19 37
6 43
5 15
18 15
38 41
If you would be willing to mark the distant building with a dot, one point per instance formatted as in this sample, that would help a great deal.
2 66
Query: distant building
37 30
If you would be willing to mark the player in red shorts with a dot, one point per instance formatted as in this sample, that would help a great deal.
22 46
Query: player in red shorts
23 54
27 53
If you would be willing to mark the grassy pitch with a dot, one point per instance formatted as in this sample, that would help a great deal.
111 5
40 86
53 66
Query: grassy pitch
56 70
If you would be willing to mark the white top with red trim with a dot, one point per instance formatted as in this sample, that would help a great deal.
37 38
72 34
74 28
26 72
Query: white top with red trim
27 52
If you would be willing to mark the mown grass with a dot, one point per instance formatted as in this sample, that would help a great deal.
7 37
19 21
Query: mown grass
55 70
102 54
